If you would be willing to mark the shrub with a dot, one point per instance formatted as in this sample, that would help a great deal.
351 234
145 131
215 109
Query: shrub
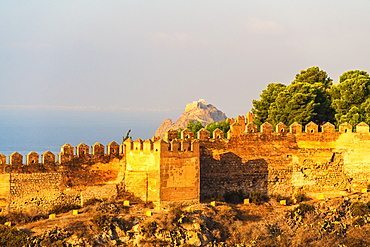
148 229
102 221
255 197
277 197
12 237
56 237
299 197
303 208
19 217
359 209
112 208
92 201
169 220
175 213
234 196
227 212
63 208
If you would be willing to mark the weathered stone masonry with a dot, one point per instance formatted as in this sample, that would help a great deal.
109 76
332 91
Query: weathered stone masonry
274 160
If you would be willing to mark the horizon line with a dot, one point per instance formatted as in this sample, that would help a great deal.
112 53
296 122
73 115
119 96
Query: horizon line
90 108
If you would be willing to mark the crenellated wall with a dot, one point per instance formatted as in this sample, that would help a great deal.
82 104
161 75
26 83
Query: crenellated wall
282 159
272 159
75 177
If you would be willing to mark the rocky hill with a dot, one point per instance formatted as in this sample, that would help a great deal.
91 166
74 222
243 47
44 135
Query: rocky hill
338 221
197 111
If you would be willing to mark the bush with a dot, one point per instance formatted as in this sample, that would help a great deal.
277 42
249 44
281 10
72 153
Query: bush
234 196
12 237
19 217
169 220
227 212
92 201
102 221
303 208
175 213
359 209
63 208
277 197
112 208
299 197
255 197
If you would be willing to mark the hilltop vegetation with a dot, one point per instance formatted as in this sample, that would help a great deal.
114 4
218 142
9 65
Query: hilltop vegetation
195 126
312 96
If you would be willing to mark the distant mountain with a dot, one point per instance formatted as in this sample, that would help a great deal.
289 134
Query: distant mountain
197 111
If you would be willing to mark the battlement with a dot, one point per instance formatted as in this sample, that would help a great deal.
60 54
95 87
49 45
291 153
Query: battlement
67 153
160 145
240 127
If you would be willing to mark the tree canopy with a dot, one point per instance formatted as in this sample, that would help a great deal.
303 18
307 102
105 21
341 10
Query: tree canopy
195 126
222 125
268 97
313 75
351 97
305 99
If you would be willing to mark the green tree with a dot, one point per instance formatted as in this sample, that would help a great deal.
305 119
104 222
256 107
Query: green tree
261 107
351 98
314 75
222 125
194 126
305 99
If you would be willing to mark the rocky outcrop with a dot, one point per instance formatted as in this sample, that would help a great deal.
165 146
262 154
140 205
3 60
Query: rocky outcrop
196 111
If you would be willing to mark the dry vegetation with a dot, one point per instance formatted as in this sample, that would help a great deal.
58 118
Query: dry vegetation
342 222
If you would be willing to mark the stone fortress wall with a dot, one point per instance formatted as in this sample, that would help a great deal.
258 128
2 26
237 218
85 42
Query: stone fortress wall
273 159
74 178
283 160
153 170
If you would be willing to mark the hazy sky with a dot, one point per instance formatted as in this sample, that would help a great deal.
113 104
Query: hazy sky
162 54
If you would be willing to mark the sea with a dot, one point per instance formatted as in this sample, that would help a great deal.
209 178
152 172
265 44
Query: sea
41 130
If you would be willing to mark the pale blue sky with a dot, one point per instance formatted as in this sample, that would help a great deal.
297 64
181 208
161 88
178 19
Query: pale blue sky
163 54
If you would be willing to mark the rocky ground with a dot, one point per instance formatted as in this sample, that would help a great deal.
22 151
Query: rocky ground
341 221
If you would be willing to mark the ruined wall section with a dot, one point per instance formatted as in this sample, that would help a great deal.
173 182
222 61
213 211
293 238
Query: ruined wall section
319 164
354 147
32 190
337 161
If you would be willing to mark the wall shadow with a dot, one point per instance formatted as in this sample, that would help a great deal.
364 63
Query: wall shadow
227 172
